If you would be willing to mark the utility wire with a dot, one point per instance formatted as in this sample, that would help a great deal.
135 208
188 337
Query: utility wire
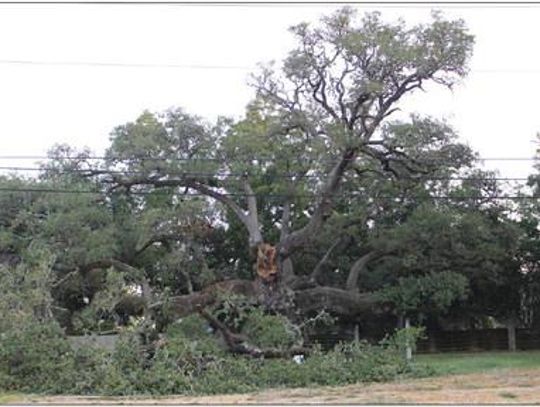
196 159
123 65
296 3
206 66
234 175
244 195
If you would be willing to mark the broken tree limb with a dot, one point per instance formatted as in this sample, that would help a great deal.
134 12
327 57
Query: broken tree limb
307 299
184 305
239 344
336 301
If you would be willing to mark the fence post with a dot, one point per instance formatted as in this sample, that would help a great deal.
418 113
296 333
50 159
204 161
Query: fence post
511 327
408 349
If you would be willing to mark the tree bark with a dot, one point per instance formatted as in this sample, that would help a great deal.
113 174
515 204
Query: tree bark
300 237
287 271
357 267
184 305
319 267
248 218
336 301
333 300
252 218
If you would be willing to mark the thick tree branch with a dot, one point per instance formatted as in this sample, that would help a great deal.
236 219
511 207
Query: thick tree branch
300 237
239 344
187 277
107 263
285 220
183 305
318 92
319 267
393 155
224 199
356 269
336 301
252 218
162 238
307 298
249 219
287 271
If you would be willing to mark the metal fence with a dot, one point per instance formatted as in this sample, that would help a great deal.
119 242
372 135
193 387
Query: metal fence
477 340
435 341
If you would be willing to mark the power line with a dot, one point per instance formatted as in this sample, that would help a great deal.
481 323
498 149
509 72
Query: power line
244 195
196 159
234 175
122 64
282 3
196 66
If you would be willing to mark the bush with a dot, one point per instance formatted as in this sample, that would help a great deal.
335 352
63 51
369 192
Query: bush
269 331
35 357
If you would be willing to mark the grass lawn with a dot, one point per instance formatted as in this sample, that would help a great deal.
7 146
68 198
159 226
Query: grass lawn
469 362
9 397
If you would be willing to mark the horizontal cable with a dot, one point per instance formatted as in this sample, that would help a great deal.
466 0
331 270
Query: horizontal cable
234 175
283 3
104 64
122 65
134 158
244 195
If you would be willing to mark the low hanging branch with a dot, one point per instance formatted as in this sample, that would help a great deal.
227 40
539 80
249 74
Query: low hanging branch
239 344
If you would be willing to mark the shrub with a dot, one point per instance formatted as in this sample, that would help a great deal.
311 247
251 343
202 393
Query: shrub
231 374
269 331
35 357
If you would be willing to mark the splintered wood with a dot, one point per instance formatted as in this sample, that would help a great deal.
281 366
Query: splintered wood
267 262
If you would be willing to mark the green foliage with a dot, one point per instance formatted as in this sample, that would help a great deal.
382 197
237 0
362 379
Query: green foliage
35 357
26 290
233 310
431 293
405 338
333 95
192 335
270 331
450 257
263 329
346 363
39 359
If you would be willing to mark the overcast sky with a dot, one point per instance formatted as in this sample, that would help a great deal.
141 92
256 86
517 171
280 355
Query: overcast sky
45 102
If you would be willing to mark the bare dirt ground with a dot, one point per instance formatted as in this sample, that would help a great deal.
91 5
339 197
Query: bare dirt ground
494 387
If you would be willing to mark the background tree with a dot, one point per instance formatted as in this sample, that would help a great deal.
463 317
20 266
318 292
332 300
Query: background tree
315 181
